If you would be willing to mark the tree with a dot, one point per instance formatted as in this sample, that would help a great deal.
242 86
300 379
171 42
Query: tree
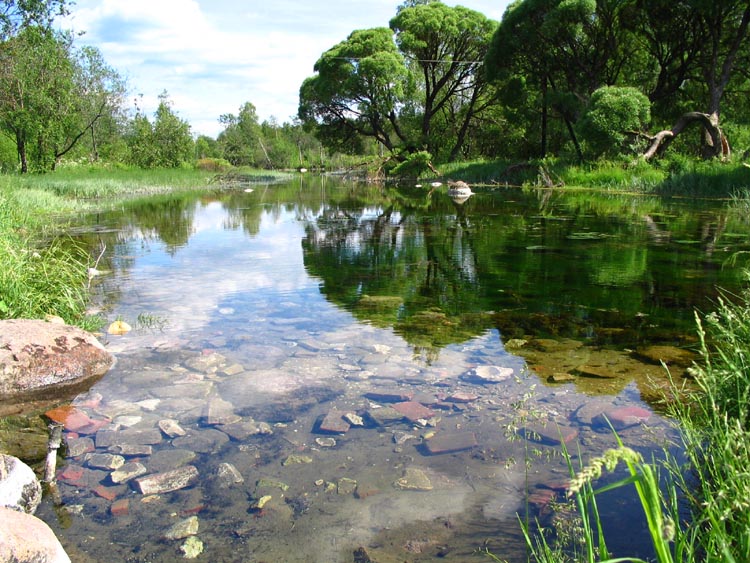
241 138
36 88
446 47
16 15
565 49
166 143
358 90
719 47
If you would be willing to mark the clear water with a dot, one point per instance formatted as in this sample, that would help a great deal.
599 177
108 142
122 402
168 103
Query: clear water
279 305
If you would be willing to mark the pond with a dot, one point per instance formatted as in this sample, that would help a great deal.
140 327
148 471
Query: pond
321 371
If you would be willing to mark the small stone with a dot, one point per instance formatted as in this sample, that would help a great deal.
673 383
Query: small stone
261 502
183 529
346 486
326 442
385 416
171 428
488 374
149 405
79 446
354 419
228 475
561 378
105 461
295 459
400 437
414 479
167 481
396 396
129 471
134 450
334 423
234 369
192 548
106 438
120 507
127 420
462 397
219 411
271 484
264 429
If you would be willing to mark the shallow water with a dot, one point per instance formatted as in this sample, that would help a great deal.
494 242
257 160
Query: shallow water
256 314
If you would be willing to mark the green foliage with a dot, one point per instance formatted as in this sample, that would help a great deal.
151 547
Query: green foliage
413 166
165 143
614 114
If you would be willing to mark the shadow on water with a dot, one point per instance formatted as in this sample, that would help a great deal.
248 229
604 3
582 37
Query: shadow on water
356 366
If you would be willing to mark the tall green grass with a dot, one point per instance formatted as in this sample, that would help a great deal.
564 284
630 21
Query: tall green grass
38 278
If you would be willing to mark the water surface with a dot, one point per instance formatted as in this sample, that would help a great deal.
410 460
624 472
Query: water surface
258 313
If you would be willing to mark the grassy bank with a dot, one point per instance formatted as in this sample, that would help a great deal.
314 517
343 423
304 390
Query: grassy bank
43 273
674 176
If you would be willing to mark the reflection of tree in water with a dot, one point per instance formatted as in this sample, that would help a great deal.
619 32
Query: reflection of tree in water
399 267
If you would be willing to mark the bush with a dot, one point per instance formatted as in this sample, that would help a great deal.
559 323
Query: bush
613 114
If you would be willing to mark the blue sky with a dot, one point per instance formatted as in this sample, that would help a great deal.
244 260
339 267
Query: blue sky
212 56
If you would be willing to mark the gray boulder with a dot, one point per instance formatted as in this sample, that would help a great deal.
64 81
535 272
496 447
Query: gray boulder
19 487
39 359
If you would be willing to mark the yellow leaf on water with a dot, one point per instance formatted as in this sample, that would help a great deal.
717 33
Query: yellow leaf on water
119 327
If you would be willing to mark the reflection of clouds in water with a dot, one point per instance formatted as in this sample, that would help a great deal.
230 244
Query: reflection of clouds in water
188 288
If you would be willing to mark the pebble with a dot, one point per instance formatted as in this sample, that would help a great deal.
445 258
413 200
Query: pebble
183 529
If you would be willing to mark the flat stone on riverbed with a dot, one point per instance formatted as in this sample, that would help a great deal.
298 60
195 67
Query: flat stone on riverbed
413 411
393 396
129 471
106 438
445 443
334 423
168 481
622 417
551 434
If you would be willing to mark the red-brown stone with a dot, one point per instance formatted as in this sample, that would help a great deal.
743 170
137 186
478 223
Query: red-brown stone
41 360
445 443
413 410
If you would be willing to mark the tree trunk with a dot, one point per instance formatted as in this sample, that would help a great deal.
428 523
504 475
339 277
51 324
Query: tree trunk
717 143
21 148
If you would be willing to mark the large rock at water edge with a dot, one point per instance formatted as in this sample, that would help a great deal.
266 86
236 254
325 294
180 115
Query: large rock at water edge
38 359
26 539
19 487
